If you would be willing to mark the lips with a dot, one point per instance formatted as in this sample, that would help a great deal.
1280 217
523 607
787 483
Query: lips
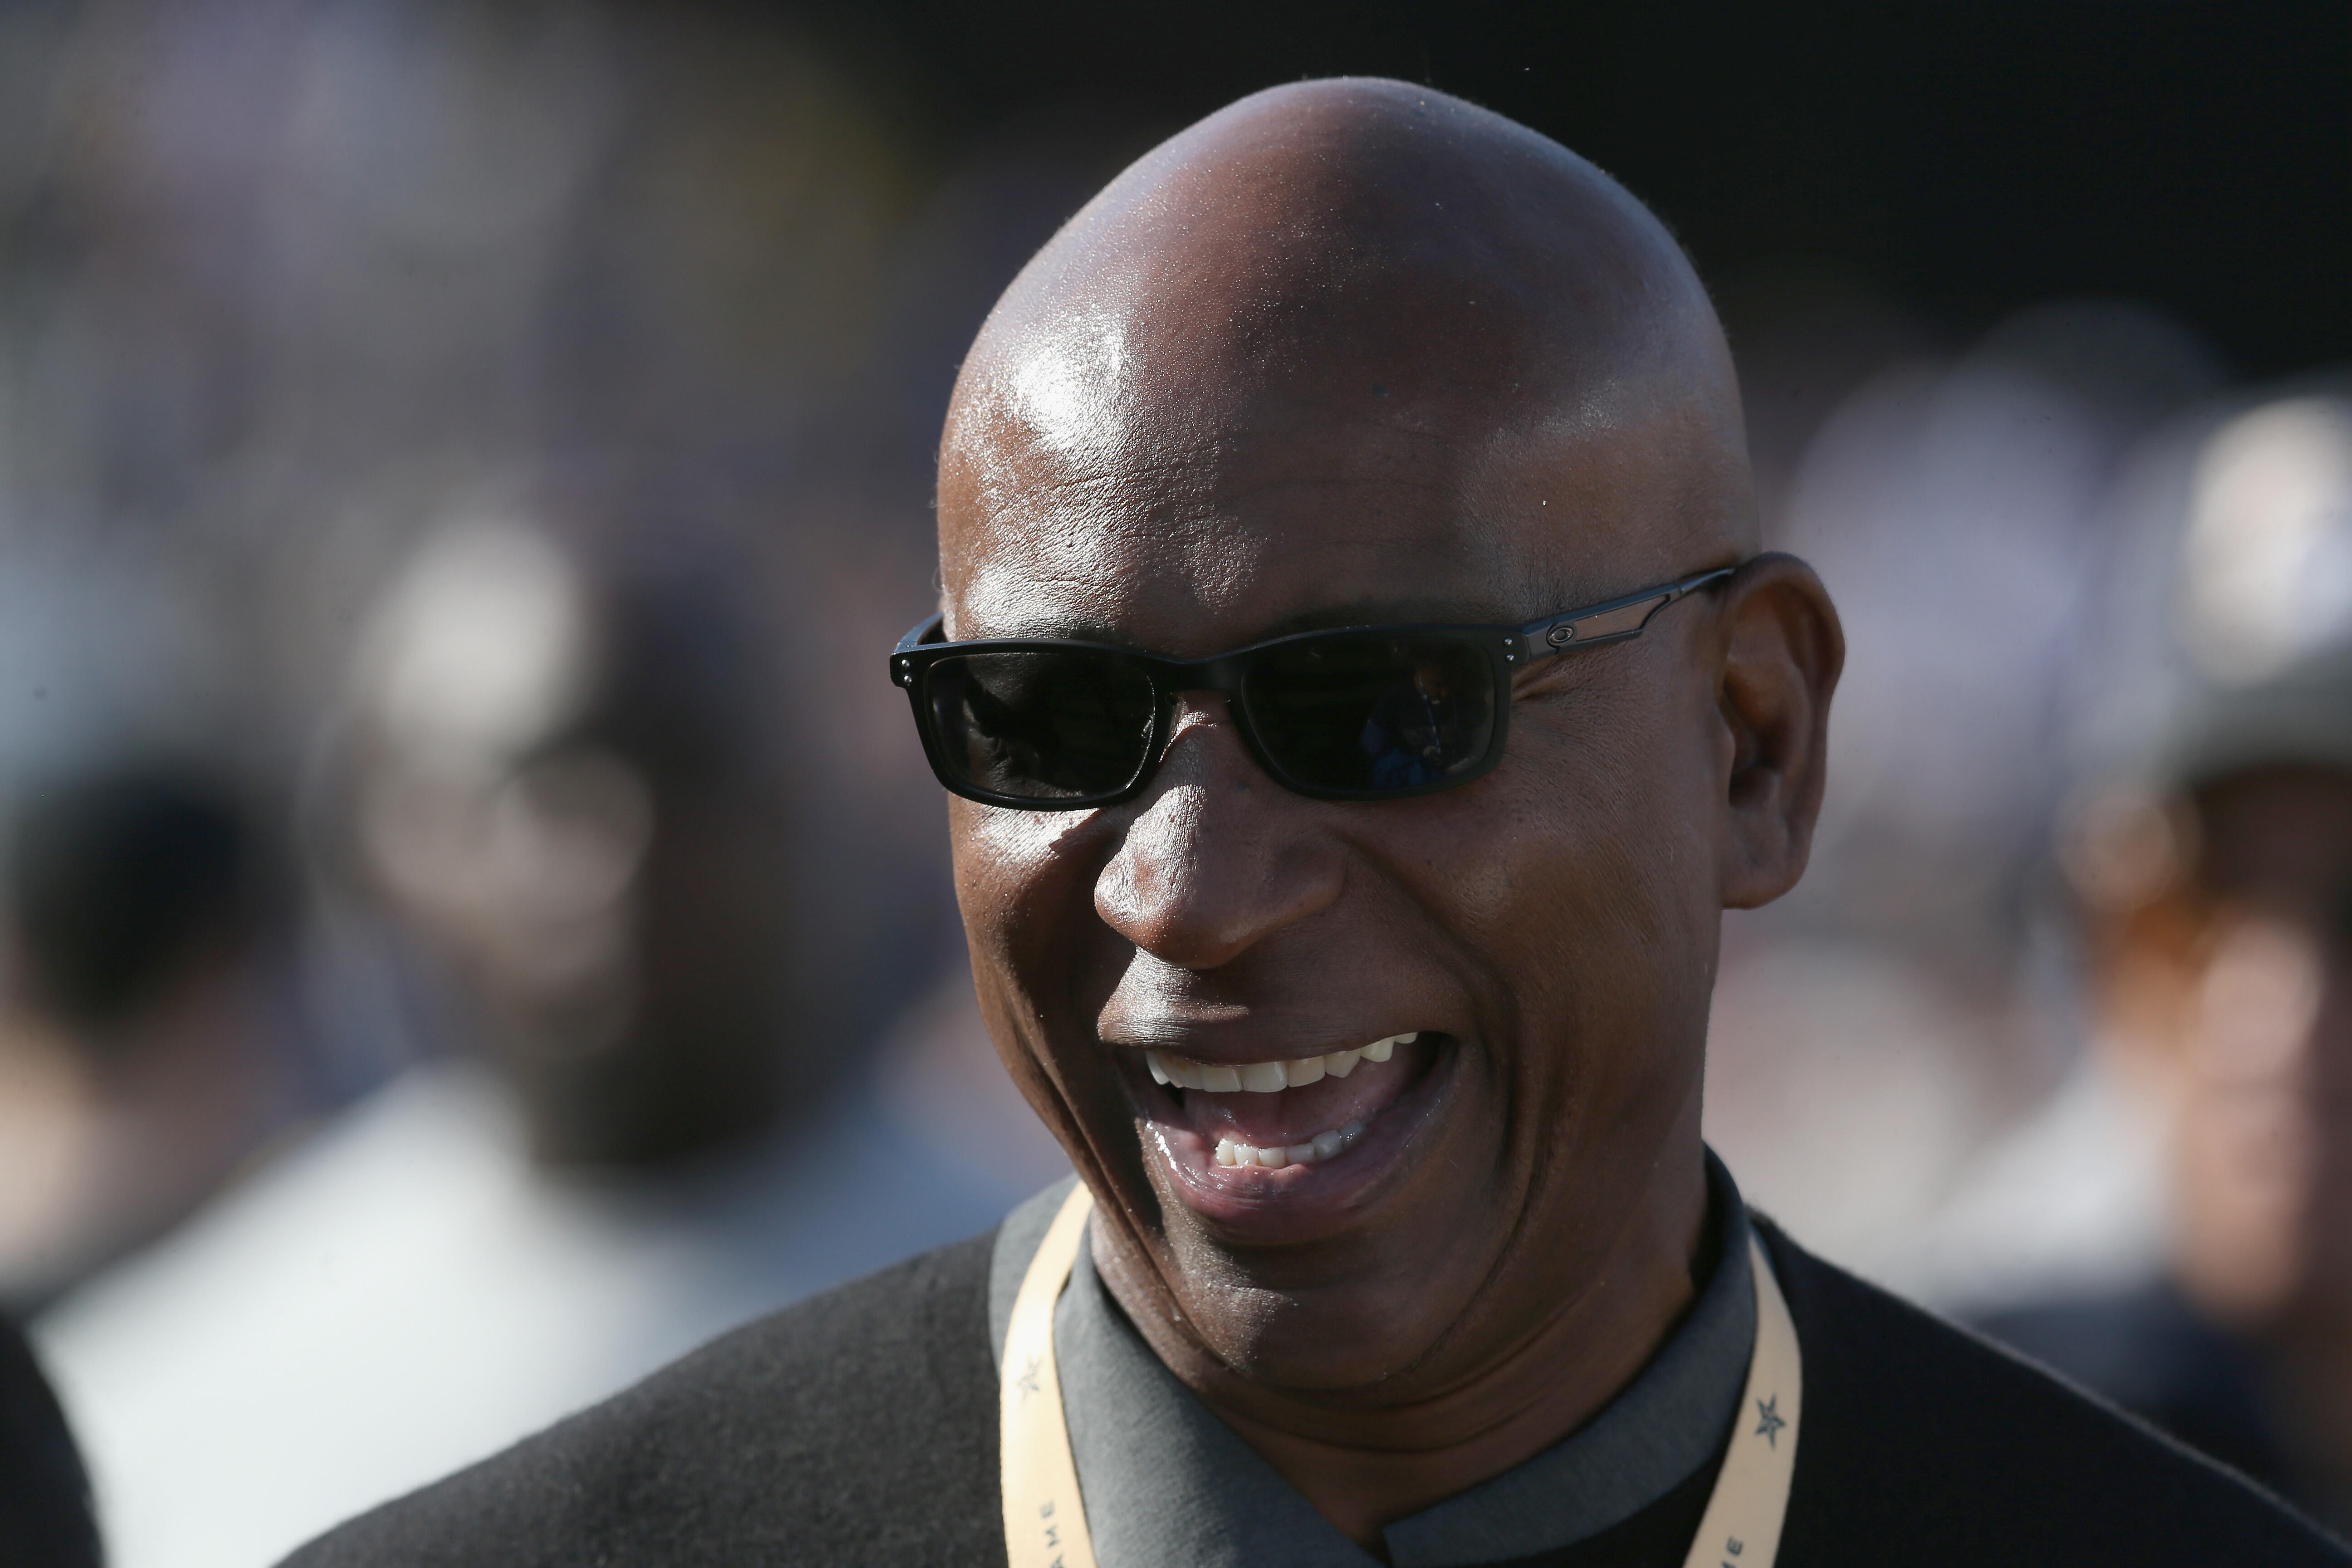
1313 1133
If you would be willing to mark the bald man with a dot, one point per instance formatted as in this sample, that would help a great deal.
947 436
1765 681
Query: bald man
1359 693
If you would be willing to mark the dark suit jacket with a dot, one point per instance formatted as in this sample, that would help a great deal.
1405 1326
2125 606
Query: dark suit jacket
2145 1351
861 1427
45 1515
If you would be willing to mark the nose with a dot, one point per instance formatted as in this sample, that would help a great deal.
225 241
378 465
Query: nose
1218 856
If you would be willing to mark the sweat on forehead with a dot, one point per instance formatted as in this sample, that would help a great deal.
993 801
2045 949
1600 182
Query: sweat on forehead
1349 283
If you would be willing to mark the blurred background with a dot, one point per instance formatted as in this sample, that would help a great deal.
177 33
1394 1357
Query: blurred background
474 918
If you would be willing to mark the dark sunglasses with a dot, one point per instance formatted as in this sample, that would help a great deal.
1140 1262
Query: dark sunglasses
1357 713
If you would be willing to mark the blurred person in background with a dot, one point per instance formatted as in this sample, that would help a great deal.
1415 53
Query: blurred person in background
566 782
283 283
570 774
145 1043
2216 880
45 1513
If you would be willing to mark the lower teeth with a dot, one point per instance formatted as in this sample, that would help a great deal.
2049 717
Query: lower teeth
1322 1147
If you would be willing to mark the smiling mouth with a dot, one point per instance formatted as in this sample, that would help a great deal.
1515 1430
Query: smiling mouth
1281 1115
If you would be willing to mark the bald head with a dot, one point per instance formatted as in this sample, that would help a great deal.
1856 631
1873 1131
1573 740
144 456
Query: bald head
1441 303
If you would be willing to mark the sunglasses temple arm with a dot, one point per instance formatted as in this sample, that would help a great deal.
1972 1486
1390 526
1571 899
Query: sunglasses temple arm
921 632
1611 622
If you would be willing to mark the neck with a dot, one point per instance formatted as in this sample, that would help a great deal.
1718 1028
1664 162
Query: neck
1366 1465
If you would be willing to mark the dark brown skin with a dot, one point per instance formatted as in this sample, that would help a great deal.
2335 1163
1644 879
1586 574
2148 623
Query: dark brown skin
1354 351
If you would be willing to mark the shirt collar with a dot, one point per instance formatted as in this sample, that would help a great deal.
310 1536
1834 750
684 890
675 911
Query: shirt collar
1166 1482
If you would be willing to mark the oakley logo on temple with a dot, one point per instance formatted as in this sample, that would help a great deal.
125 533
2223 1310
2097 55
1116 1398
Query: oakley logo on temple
1355 713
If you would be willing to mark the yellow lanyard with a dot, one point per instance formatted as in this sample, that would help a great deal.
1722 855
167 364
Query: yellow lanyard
1045 1521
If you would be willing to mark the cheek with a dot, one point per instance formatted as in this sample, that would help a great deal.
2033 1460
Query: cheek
1593 839
1026 885
1022 878
1586 876
1002 859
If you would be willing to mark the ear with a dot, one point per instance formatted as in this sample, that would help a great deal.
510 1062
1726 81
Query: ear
2144 965
2135 864
1782 649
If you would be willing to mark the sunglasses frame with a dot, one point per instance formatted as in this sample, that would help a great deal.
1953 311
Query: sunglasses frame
1507 650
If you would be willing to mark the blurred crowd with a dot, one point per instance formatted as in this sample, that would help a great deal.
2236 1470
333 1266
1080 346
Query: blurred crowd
474 921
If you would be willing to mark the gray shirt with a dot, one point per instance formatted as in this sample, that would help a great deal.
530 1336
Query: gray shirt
1166 1483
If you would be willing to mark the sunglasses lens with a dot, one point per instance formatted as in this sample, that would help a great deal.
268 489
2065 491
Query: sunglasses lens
1041 726
1369 713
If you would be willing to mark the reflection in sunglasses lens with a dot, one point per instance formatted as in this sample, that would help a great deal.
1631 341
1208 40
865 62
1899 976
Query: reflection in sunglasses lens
1372 713
1042 726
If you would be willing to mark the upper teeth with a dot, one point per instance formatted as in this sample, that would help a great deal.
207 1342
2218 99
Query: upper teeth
1264 1078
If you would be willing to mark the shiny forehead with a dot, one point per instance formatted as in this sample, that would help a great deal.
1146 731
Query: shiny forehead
1345 344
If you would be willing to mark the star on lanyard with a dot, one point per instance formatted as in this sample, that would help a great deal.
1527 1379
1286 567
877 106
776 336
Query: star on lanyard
1769 1425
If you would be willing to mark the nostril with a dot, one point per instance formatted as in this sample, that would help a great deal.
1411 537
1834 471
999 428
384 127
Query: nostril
1199 876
